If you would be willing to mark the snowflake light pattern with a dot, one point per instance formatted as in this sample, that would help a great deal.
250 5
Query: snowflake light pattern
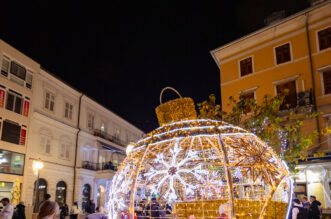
172 170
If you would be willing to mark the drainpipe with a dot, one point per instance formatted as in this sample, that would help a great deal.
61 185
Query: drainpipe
313 83
76 149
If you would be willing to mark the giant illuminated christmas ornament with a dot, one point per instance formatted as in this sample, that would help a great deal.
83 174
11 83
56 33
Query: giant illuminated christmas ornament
203 168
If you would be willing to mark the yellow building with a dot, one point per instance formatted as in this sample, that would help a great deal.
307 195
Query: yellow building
293 53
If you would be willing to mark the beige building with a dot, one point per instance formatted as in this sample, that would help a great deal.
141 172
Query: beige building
79 141
16 91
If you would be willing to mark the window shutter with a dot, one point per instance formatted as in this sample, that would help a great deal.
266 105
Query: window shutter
327 82
23 135
26 108
5 67
2 97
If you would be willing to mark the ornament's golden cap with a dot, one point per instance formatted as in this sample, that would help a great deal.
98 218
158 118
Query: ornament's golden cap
182 108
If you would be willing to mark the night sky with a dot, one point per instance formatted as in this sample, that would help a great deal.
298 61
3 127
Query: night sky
124 52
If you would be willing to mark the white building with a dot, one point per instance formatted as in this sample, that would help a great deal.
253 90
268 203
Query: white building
17 71
52 138
79 141
102 139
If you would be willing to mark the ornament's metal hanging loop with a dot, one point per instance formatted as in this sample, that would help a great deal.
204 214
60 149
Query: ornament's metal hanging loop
169 88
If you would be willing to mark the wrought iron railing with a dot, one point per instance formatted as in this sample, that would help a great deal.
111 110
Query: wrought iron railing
99 166
112 138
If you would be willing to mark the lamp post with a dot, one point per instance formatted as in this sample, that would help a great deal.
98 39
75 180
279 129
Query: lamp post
36 166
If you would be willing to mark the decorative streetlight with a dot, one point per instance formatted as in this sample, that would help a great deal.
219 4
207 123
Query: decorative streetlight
36 166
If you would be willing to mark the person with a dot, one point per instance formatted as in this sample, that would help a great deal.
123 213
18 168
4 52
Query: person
305 203
8 210
90 207
298 212
47 197
64 211
20 211
314 211
96 215
168 210
224 211
140 210
74 211
154 208
48 210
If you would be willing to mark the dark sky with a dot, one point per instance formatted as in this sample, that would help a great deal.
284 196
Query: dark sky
124 52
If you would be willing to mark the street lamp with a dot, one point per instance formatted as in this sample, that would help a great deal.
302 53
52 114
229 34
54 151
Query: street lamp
129 148
36 166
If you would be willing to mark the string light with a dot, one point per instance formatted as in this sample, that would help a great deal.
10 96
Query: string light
200 164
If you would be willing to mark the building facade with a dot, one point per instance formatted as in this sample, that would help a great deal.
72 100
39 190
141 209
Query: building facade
79 141
52 138
293 53
102 139
16 91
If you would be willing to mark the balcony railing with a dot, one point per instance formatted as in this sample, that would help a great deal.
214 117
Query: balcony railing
99 166
112 138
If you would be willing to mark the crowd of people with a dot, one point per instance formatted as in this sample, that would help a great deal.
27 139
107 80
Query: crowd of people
304 209
49 209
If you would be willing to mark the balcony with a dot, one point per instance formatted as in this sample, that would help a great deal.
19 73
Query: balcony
111 138
99 166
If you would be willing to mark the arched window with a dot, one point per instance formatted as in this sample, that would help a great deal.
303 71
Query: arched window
86 194
41 192
61 191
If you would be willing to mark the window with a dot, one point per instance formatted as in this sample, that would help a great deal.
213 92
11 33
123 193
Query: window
45 142
300 190
11 132
86 194
103 127
60 195
327 82
5 66
14 102
283 53
65 149
117 133
246 66
49 101
90 121
28 82
41 192
68 110
290 101
324 38
247 97
18 70
11 162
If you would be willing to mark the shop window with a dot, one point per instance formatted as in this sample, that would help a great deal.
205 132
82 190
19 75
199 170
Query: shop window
61 191
11 132
290 100
49 101
324 38
5 189
283 53
246 66
327 82
11 162
14 102
86 194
